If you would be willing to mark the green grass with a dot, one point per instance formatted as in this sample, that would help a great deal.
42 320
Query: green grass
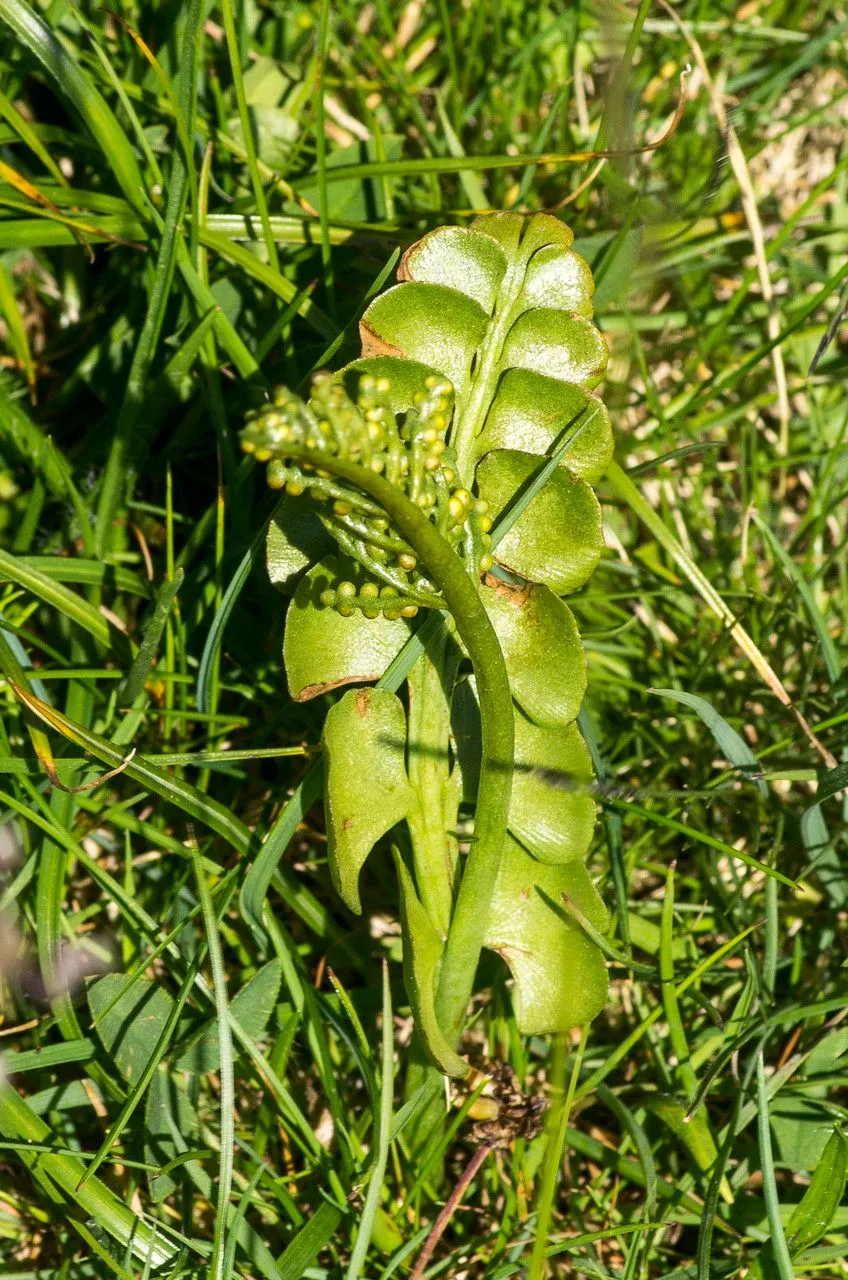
185 221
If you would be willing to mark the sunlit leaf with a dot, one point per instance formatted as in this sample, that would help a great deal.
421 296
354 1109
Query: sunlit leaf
541 644
560 976
558 539
550 813
366 788
556 407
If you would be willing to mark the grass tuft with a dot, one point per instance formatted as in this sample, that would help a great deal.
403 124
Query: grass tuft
196 203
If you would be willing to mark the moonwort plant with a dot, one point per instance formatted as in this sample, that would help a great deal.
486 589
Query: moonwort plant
443 482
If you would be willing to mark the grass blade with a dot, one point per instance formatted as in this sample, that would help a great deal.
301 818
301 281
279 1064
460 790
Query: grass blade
215 635
557 1133
73 84
17 1120
729 741
23 571
129 433
831 657
627 490
382 1138
782 1260
235 56
151 637
187 798
225 1050
703 837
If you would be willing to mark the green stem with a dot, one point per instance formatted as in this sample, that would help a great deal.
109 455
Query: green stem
247 131
468 927
471 415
